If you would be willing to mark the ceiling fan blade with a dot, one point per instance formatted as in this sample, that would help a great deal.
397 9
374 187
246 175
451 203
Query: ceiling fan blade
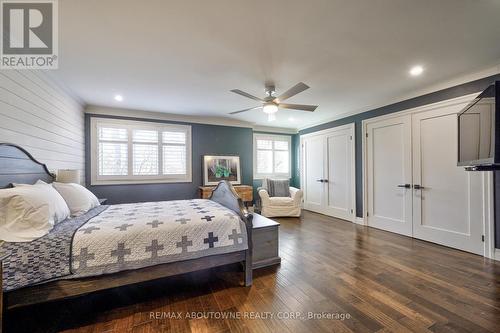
235 112
242 93
301 107
298 88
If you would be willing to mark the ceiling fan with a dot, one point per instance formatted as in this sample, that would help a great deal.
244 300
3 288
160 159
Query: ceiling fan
271 103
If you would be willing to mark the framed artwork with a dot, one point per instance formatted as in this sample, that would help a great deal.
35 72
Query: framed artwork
217 168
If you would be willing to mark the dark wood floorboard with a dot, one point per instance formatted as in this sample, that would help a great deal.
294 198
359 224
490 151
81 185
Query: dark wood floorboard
382 281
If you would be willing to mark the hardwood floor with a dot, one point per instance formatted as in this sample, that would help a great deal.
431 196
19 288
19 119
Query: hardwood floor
373 280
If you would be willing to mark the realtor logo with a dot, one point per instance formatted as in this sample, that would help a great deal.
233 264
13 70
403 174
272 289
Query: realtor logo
29 31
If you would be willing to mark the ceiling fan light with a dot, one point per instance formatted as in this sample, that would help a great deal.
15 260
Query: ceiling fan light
271 116
270 108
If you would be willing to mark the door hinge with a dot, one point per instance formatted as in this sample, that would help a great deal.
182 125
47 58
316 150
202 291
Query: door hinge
482 238
351 137
352 211
366 134
367 214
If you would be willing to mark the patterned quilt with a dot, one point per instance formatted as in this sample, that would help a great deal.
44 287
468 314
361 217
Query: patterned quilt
109 239
131 236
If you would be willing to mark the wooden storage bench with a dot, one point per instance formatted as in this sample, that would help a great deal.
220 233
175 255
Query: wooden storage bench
265 236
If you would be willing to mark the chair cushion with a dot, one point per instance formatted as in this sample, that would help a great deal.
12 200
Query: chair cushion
278 187
281 201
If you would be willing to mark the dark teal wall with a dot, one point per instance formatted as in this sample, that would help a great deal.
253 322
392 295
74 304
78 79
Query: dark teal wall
441 95
206 140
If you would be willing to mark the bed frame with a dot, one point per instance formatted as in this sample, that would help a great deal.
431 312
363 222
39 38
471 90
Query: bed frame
18 166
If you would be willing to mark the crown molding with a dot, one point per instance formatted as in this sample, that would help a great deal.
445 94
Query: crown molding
49 76
488 71
220 121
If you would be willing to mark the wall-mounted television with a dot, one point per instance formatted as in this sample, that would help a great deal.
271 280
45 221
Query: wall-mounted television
479 131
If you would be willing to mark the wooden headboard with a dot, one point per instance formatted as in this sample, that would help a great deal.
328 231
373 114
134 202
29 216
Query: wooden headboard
18 166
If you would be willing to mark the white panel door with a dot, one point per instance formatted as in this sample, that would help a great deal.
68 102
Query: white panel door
388 170
448 209
340 167
314 170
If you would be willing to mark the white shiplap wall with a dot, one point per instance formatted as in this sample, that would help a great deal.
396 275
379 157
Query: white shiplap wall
40 116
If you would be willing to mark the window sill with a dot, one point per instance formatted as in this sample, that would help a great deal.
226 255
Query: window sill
279 176
139 182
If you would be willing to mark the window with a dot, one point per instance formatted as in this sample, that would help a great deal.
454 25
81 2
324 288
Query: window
271 156
127 152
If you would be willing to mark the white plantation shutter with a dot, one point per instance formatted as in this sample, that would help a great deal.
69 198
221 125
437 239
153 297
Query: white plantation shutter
112 151
146 136
174 153
145 152
145 159
113 159
264 161
130 152
174 160
272 156
113 134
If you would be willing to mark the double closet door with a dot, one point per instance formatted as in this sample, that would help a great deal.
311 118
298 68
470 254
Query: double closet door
414 186
328 172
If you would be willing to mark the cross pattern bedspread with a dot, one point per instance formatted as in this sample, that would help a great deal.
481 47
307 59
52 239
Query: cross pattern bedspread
122 237
137 235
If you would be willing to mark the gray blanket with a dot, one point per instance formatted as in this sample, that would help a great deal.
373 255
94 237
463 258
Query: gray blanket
45 258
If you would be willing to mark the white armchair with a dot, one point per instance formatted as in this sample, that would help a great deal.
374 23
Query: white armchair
280 206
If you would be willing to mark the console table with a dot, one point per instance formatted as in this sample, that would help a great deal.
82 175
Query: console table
244 191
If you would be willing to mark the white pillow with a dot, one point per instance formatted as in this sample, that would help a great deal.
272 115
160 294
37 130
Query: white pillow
58 209
79 199
24 214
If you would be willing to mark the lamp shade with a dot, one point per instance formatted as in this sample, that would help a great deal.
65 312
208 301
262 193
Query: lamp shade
68 176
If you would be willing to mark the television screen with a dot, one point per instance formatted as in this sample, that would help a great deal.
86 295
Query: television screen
476 128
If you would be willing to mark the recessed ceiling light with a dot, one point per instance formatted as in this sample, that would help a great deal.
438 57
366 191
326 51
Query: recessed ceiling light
291 119
118 98
416 70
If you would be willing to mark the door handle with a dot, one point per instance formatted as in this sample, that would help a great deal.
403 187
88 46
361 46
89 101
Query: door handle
405 185
418 187
325 180
320 180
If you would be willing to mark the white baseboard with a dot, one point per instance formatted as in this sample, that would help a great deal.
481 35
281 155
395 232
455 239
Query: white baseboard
496 255
359 220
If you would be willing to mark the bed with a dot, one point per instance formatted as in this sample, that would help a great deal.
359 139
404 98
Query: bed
100 249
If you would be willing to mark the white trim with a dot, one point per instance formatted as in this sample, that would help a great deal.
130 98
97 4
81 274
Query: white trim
496 255
130 179
359 220
325 132
489 215
488 201
328 130
206 120
288 139
489 71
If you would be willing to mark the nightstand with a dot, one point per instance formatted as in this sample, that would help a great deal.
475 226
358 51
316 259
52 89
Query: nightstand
103 201
245 192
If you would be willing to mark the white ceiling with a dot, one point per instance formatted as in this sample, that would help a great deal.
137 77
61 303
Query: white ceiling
184 56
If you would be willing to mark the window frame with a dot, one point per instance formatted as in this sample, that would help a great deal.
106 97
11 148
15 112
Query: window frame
130 125
273 137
